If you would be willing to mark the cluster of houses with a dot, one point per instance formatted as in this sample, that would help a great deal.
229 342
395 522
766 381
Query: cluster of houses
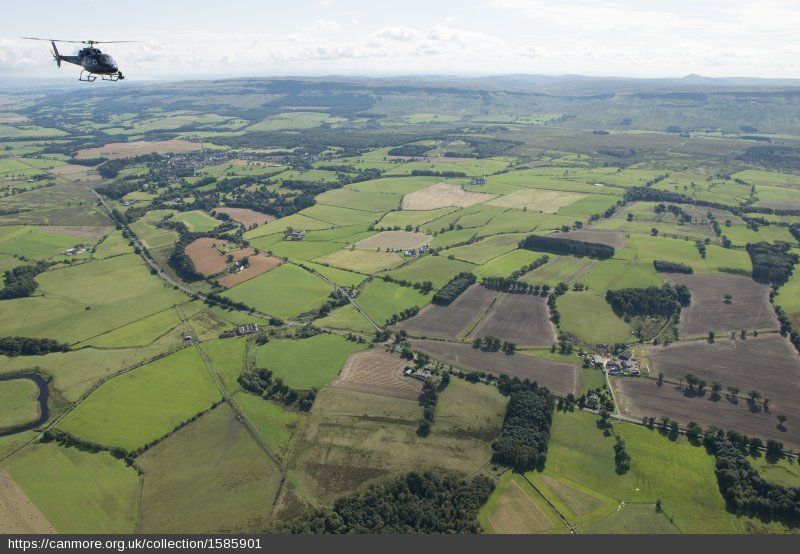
622 364
414 251
75 250
415 373
296 235
240 331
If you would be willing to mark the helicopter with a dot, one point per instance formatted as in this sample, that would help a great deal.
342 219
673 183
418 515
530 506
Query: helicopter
92 61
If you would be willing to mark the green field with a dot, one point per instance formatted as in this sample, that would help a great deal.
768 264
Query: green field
82 301
679 474
144 404
436 269
285 292
381 299
78 492
362 261
209 477
306 363
603 327
18 402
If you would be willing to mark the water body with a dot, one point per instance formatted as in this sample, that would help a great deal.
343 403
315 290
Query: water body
44 413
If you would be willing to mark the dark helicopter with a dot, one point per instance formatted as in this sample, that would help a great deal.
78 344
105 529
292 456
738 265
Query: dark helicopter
91 59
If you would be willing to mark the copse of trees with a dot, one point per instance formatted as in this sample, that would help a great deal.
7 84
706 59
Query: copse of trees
261 382
522 444
772 263
664 301
453 288
558 245
672 267
20 281
410 150
745 490
26 346
429 502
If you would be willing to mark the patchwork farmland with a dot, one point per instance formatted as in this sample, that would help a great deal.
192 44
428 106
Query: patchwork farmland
226 320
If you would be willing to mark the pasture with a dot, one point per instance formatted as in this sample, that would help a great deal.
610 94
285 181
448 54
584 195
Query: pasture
381 299
208 477
306 363
18 402
394 240
144 404
361 261
544 201
436 269
77 491
516 508
284 292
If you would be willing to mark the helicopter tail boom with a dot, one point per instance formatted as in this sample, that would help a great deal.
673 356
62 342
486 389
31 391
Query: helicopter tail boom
56 55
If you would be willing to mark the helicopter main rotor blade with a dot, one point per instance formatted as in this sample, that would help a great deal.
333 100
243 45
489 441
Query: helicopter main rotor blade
80 41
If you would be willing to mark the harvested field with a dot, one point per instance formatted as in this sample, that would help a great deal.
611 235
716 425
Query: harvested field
117 150
559 377
601 236
394 240
18 515
514 511
246 216
89 233
76 173
544 201
523 319
259 263
378 372
207 257
642 397
767 363
442 195
453 320
749 309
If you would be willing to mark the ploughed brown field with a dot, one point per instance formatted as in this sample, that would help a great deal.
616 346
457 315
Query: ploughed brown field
245 216
453 320
378 372
767 363
259 263
608 237
116 150
749 308
559 377
208 260
640 397
523 319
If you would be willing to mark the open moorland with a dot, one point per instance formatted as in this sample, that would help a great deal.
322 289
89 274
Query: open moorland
226 303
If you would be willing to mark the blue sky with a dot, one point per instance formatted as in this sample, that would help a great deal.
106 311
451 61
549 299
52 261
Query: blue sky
354 37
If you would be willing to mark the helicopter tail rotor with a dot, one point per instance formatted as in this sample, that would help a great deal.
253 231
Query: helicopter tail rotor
56 55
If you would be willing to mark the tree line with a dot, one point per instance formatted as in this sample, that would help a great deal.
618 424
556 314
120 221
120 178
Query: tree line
453 288
664 301
418 502
558 245
672 267
26 346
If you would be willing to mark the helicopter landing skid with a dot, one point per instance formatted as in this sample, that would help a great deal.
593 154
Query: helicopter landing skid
92 77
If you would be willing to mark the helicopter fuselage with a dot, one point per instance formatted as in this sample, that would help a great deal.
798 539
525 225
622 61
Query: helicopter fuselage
93 61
